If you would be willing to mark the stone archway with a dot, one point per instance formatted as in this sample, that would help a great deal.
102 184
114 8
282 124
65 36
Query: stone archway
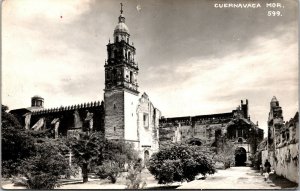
240 156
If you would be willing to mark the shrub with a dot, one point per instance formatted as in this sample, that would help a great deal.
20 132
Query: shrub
115 155
44 169
134 178
179 162
109 170
17 145
225 153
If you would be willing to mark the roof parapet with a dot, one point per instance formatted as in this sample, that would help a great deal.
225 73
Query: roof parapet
70 107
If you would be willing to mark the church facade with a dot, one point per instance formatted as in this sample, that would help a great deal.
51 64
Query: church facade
123 115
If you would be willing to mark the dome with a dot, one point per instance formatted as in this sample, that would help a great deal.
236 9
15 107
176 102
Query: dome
37 97
121 27
274 99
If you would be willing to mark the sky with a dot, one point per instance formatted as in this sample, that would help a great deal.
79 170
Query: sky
194 59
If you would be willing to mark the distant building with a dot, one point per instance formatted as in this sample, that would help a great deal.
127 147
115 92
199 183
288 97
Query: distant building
235 126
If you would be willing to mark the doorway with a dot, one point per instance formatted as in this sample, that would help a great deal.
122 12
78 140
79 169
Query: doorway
240 157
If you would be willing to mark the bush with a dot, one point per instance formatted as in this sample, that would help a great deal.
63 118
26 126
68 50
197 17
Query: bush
17 145
134 178
225 153
115 155
179 162
44 169
110 170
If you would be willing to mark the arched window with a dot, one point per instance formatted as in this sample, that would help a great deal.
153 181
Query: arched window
129 56
287 135
114 75
240 140
117 38
146 120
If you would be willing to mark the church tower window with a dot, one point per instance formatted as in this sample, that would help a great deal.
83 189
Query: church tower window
131 76
115 53
146 120
129 56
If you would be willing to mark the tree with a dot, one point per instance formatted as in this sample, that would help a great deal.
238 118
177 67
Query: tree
115 155
8 120
87 150
44 169
224 153
17 144
179 162
4 108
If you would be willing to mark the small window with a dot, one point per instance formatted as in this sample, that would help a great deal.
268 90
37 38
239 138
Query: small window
131 76
114 129
146 120
287 135
115 53
115 106
129 55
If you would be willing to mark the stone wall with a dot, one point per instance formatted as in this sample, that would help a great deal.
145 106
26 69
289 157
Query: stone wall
63 119
284 153
286 162
206 128
114 114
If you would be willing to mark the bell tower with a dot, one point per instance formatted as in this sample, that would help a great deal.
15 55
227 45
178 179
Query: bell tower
121 87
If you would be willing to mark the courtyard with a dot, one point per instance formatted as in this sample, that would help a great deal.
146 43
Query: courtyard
232 178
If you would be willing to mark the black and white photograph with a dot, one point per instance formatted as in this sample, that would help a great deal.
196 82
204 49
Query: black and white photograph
149 94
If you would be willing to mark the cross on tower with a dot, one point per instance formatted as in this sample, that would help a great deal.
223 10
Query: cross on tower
121 8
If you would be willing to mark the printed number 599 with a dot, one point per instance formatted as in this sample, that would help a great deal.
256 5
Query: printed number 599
274 13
